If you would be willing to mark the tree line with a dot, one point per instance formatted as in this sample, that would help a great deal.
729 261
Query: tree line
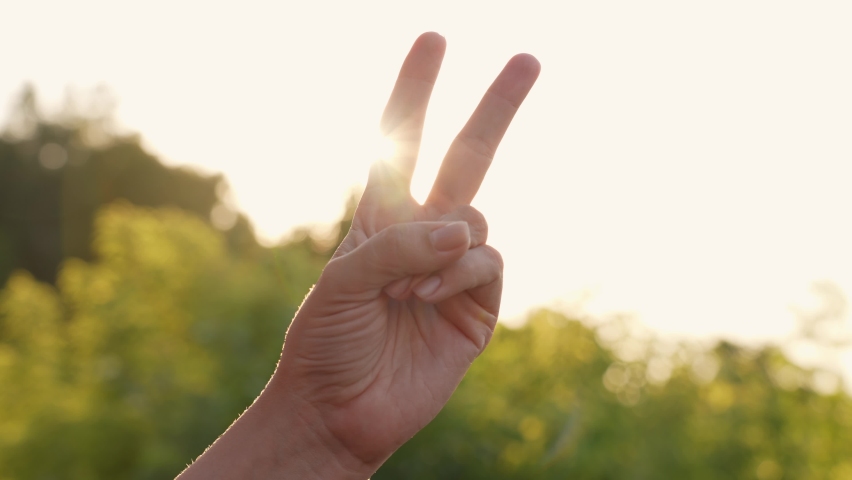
134 329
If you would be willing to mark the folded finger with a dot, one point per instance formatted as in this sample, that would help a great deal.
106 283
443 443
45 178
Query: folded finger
478 267
396 252
475 221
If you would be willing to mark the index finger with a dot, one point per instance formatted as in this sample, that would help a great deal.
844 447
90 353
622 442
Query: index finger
405 113
472 151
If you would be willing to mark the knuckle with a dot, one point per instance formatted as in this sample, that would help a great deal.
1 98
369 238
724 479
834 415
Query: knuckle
335 271
495 257
473 216
330 270
475 221
479 226
479 147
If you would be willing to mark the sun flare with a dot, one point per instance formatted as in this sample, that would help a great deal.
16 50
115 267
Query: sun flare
383 148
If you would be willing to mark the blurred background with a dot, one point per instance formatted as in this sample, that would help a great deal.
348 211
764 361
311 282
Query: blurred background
672 204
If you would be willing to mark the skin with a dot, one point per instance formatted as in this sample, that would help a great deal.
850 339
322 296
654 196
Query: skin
406 304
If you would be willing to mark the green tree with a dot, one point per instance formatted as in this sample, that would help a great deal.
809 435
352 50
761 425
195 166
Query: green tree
133 364
550 400
56 173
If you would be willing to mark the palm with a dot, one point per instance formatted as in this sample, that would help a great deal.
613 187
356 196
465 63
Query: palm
382 359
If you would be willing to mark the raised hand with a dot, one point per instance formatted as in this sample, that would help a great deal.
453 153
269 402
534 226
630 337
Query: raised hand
408 301
411 297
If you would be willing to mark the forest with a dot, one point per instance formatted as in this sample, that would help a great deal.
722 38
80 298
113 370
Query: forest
136 325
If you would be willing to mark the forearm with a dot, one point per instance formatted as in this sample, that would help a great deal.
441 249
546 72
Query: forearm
278 437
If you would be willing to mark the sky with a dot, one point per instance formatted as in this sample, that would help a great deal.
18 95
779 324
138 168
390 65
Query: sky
688 163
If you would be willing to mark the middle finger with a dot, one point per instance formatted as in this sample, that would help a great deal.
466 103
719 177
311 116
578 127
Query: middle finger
470 154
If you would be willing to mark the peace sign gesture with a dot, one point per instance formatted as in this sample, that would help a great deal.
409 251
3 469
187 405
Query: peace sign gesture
406 304
411 297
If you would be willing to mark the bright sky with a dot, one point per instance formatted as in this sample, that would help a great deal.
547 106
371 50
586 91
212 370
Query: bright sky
689 162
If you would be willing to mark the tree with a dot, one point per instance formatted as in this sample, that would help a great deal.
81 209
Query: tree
133 364
56 173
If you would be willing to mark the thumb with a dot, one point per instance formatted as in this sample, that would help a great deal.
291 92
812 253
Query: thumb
399 251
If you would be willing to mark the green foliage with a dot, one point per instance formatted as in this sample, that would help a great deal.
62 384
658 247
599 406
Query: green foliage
57 173
134 364
548 400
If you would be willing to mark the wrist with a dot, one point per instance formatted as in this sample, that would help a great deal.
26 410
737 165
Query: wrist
279 436
304 444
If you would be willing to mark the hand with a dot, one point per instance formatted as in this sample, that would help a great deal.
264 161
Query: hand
408 301
411 297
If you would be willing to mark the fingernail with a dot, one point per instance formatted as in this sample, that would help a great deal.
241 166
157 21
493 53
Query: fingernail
450 236
427 287
396 289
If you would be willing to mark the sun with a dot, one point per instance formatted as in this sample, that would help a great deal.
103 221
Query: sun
383 148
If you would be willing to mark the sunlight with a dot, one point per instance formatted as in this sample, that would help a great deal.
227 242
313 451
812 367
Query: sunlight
618 166
383 147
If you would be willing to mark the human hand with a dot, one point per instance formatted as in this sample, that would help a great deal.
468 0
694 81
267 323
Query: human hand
411 297
406 304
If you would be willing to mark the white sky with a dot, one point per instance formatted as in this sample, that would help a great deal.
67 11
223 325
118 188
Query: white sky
686 161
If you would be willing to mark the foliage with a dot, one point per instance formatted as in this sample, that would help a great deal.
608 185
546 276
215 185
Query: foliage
548 400
56 173
131 365
119 372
